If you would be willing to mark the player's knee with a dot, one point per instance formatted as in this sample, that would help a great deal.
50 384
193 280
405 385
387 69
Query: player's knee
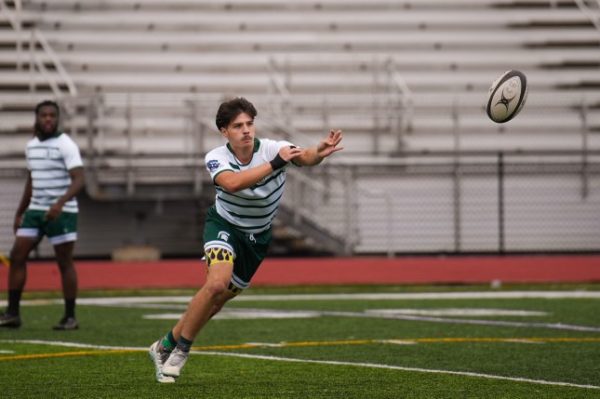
215 289
64 262
17 258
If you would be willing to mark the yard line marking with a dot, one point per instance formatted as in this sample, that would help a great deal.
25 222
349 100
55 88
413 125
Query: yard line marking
64 354
120 301
396 341
69 344
389 314
399 368
453 312
422 296
114 350
552 326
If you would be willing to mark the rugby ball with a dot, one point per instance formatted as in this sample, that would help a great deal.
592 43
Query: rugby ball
507 96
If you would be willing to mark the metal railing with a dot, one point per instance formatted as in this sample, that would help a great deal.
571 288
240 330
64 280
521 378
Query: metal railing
36 40
591 8
391 111
14 17
400 104
37 37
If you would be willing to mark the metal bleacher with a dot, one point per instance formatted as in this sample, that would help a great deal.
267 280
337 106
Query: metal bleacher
344 56
401 78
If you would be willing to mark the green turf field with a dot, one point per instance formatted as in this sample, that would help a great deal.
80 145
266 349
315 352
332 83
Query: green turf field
340 342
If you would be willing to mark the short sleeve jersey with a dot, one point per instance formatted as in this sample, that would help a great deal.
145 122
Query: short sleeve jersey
49 162
251 210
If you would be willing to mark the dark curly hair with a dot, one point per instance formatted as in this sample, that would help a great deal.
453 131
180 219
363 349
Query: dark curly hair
47 103
229 110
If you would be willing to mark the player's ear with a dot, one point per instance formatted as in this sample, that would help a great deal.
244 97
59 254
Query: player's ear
223 131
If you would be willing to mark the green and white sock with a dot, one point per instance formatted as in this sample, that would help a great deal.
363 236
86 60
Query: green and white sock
168 342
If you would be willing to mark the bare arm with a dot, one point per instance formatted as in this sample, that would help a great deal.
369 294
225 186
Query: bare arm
314 155
25 199
77 182
233 182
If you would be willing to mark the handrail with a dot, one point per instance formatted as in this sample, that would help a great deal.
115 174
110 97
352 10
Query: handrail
38 37
13 17
594 17
15 21
277 82
400 94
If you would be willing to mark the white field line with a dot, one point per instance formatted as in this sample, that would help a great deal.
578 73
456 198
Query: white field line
119 301
401 368
551 326
325 362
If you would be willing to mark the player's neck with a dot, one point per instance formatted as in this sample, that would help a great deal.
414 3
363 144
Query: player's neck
244 155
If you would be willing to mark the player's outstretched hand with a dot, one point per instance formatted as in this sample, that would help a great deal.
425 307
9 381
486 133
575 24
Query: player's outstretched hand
289 153
329 145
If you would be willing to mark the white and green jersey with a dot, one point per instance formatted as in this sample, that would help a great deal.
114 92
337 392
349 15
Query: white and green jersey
251 210
49 162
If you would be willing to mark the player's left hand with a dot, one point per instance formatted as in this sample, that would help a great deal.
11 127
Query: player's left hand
329 145
54 212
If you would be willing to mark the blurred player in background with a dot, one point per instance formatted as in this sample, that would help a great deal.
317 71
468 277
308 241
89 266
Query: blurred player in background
48 207
249 176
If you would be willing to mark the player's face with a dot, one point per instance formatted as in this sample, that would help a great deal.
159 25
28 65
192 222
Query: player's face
240 132
46 121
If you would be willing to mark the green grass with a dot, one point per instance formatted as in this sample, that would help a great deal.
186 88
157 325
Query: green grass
295 370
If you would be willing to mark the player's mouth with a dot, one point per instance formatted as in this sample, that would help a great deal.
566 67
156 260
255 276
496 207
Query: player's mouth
48 127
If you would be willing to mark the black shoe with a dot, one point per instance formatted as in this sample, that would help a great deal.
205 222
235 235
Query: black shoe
10 320
67 323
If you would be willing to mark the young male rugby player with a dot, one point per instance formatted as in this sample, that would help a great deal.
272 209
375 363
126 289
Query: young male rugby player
48 207
249 176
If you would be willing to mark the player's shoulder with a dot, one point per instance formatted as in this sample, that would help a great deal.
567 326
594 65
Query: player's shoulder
217 152
65 138
34 141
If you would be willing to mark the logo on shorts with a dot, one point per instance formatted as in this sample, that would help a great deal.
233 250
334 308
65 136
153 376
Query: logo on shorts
223 235
212 165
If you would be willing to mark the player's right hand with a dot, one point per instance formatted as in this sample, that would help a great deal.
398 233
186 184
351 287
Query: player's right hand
289 153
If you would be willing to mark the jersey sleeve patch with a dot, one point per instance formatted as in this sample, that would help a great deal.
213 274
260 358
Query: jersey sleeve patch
212 165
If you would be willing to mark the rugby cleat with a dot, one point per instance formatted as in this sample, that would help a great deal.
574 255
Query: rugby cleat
159 357
66 323
10 320
175 363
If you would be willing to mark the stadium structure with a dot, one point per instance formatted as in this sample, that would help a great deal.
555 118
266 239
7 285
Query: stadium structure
423 171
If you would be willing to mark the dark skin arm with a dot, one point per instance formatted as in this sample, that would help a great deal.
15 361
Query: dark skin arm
25 198
77 182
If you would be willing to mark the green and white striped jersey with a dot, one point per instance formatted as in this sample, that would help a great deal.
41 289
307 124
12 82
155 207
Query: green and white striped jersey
251 210
49 162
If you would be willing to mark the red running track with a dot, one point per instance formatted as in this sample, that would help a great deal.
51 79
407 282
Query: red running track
44 276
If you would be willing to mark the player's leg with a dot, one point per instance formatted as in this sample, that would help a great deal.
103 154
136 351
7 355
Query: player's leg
17 276
62 234
27 237
161 350
200 309
68 273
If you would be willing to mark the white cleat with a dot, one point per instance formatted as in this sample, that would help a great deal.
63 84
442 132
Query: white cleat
172 367
158 359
